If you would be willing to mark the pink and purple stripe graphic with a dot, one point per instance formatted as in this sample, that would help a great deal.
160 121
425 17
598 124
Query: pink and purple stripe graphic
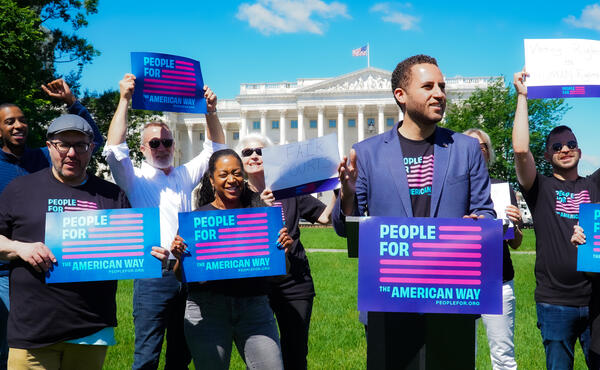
82 205
563 91
570 205
180 81
420 175
123 238
455 258
247 238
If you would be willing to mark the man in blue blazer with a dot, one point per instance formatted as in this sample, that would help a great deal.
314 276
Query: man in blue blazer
416 170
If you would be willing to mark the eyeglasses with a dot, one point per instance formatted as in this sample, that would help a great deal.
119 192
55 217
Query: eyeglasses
63 148
483 147
557 147
248 151
155 143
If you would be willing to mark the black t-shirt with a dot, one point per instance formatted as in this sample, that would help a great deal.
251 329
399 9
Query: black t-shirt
508 272
554 205
43 314
418 162
246 287
298 283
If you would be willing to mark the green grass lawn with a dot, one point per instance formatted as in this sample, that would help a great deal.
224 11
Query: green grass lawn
336 337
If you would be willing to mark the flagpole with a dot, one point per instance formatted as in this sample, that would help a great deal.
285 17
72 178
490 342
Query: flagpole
368 55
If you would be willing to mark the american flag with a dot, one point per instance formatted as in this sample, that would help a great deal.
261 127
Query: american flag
360 52
247 238
454 259
123 237
421 174
180 81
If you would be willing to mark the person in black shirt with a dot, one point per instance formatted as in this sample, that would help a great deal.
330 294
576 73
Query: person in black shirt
56 326
291 298
500 329
235 310
562 293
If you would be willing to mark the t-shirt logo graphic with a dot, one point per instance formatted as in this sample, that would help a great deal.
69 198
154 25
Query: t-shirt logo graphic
567 203
419 172
67 205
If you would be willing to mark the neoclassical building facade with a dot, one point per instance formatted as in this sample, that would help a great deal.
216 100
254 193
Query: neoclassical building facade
355 106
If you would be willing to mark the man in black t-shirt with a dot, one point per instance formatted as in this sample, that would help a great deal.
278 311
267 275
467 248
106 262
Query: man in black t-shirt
56 326
562 294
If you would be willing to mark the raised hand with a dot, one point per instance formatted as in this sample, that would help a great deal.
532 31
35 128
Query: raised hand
127 86
211 99
59 89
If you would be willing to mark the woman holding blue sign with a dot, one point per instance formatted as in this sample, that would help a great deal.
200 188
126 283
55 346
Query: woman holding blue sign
500 329
292 298
221 311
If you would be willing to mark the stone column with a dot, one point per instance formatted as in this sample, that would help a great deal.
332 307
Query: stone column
380 118
361 122
282 127
301 133
340 130
190 142
243 123
320 126
263 122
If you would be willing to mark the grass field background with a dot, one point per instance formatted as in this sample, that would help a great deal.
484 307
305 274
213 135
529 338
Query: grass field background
336 337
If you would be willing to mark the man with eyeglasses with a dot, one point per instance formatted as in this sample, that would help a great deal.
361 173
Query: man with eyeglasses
562 294
159 304
17 159
56 326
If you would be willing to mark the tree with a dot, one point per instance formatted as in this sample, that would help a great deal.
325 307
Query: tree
30 50
102 107
492 110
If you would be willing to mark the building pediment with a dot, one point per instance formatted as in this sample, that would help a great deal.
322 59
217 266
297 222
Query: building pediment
368 79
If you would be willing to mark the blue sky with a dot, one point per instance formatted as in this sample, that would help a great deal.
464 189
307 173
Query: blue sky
277 40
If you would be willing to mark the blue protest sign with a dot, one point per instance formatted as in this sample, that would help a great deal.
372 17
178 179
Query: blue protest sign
231 244
111 244
588 254
303 167
430 265
168 83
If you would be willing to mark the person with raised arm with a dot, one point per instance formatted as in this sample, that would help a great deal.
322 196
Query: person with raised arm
562 293
159 304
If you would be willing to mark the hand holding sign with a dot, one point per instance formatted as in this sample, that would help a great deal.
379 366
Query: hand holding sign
348 172
38 255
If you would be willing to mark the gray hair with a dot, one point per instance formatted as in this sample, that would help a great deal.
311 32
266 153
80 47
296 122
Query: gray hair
486 139
247 139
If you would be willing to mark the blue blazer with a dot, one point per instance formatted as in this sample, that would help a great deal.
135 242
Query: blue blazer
461 184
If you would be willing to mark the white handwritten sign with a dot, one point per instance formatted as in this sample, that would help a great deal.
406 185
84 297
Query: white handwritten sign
303 167
562 68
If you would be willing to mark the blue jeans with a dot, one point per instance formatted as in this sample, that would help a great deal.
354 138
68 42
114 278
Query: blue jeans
158 305
560 327
213 321
4 308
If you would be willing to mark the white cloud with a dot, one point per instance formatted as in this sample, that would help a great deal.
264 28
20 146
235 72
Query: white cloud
406 21
590 18
290 16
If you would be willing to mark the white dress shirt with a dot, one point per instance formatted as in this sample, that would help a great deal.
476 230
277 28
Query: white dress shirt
149 187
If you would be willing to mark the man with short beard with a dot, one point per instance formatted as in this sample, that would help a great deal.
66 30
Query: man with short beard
16 159
562 293
159 304
417 169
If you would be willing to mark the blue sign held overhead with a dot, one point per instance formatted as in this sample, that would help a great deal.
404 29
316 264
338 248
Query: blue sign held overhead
168 83
112 244
231 244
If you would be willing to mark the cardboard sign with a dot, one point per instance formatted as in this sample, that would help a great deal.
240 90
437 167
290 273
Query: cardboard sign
231 244
430 265
302 167
562 68
167 83
588 254
111 244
